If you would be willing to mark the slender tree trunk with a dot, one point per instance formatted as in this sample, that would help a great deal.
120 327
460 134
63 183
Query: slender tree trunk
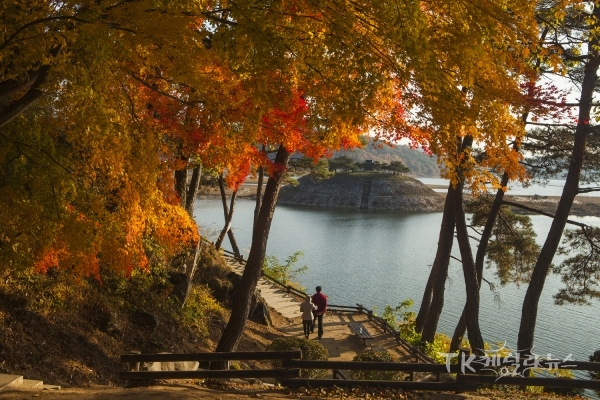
425 302
228 218
466 255
181 185
192 191
186 197
259 187
470 274
461 327
570 190
439 270
243 292
228 213
233 242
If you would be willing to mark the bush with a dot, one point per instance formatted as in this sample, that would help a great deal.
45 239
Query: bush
285 273
311 350
380 356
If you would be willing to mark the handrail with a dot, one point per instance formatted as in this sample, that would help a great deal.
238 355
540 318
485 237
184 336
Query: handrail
288 288
370 366
292 365
245 355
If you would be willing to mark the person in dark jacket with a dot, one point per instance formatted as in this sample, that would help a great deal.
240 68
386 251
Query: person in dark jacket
319 300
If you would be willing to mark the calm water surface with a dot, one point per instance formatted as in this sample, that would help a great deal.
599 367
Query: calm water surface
381 258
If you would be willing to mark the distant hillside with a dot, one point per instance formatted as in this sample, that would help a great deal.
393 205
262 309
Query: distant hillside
419 163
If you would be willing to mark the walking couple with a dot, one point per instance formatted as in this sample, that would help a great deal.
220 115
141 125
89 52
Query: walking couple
313 308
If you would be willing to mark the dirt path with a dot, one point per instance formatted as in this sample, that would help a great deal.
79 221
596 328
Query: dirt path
342 344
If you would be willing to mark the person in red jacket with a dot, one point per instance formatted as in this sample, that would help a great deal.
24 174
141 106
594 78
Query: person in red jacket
319 300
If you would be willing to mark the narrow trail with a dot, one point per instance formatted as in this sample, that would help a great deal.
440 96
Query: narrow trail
284 303
339 340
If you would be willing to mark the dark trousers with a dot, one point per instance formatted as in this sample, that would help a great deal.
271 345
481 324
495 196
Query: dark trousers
307 325
319 318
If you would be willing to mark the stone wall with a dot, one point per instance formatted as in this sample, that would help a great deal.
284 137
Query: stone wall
375 191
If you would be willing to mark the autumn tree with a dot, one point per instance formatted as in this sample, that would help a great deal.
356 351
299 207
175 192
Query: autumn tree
318 109
85 78
567 45
469 108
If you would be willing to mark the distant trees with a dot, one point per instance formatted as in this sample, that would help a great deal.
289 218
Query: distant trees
347 164
343 163
307 166
397 168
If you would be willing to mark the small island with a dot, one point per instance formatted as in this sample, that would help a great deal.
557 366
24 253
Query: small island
363 190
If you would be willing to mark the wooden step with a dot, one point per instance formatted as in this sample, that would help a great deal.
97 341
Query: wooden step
32 384
7 380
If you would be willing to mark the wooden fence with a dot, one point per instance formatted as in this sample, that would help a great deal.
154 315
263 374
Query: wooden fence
291 365
133 362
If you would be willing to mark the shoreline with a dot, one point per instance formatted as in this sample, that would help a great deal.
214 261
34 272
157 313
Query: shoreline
582 206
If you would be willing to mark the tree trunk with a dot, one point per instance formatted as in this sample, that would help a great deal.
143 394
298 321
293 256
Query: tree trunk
228 213
244 290
425 302
439 270
570 190
233 242
181 185
228 218
192 191
461 327
259 187
469 271
470 274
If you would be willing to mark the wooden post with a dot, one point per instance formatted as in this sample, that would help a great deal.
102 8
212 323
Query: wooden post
134 366
463 354
300 350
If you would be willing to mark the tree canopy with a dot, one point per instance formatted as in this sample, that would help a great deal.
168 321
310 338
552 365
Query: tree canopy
105 105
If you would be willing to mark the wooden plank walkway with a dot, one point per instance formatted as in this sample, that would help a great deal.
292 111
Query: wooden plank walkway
275 297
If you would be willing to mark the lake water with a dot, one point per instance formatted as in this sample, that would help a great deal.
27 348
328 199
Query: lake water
552 188
380 258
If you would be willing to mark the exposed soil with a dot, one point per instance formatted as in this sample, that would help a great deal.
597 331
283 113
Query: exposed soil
338 339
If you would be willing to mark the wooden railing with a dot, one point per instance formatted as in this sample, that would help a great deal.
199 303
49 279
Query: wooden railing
478 371
291 365
418 355
133 361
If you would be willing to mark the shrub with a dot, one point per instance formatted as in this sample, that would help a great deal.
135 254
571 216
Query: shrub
380 356
285 273
311 350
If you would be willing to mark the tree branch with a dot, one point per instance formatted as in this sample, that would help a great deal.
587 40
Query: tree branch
535 210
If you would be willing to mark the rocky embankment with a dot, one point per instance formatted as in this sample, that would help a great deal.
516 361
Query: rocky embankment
369 191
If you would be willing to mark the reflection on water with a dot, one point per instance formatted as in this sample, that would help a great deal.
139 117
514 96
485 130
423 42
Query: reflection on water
381 258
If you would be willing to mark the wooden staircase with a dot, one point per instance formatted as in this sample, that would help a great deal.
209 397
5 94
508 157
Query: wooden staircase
276 297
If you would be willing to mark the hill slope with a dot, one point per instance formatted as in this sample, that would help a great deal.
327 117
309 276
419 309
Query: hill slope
419 163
